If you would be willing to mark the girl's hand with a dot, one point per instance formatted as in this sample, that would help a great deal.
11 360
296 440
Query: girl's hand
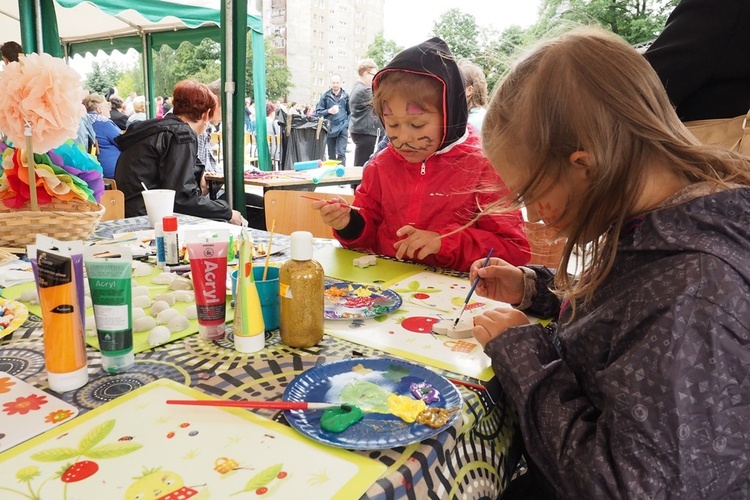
335 212
498 280
416 241
493 323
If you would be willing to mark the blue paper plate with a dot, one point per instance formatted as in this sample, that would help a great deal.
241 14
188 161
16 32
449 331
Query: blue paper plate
375 431
347 301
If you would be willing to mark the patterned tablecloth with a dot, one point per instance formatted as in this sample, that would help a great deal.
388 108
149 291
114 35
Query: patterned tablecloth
473 459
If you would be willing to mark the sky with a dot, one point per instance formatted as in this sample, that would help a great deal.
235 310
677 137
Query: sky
409 22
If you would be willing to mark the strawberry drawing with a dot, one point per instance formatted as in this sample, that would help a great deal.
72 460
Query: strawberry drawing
79 471
419 324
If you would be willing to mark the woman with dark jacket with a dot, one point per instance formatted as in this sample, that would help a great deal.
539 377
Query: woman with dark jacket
364 125
163 154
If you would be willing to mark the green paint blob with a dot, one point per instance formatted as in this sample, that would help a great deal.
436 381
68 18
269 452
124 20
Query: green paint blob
366 395
340 419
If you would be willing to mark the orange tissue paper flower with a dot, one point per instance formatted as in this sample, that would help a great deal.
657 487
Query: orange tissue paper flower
47 93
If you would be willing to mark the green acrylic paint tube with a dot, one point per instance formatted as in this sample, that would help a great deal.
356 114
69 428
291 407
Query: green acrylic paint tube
109 272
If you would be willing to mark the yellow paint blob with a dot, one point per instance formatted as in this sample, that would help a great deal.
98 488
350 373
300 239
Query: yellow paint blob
406 408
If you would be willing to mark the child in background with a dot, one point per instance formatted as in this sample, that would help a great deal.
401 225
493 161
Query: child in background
642 387
419 197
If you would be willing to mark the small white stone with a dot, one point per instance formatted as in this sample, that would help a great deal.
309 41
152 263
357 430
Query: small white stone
181 284
365 261
141 269
164 278
29 296
164 316
158 307
178 323
159 335
142 301
191 312
461 331
144 324
138 312
169 298
184 296
140 290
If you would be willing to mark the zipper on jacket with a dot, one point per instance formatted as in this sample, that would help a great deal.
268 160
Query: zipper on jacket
424 169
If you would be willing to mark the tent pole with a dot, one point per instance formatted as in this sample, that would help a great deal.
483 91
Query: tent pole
27 20
50 41
38 35
148 74
259 93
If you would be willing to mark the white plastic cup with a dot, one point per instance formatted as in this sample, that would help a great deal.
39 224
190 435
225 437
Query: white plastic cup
159 203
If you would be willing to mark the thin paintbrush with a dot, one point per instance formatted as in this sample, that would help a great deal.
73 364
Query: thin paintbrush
322 199
471 290
270 405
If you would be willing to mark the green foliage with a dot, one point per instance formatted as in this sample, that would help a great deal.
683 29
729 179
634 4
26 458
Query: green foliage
382 51
278 75
102 77
459 30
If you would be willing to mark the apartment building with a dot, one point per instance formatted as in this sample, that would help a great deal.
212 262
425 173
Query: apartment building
319 38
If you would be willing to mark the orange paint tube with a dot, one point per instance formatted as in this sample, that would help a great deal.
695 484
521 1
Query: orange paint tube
64 347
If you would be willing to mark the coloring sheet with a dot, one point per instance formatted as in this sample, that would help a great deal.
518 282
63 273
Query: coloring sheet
138 447
28 411
407 332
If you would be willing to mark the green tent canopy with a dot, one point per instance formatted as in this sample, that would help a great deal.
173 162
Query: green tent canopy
68 27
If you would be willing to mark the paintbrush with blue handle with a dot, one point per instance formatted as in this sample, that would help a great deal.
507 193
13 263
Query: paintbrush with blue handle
471 290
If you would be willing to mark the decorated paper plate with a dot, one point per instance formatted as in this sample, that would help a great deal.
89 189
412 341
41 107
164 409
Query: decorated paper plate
17 310
367 383
344 300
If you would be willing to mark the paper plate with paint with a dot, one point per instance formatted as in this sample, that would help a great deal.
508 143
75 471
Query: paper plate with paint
369 383
344 300
12 315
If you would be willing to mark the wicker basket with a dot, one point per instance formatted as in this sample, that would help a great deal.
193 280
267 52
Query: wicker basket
63 220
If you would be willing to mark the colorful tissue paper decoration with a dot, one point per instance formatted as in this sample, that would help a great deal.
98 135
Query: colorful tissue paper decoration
40 95
64 173
45 93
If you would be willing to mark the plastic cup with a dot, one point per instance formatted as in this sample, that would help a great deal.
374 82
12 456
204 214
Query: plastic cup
159 203
268 292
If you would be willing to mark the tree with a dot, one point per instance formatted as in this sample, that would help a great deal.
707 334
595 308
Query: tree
278 75
460 32
102 77
636 21
382 51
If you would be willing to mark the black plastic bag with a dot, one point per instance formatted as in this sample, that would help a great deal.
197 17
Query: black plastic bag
303 138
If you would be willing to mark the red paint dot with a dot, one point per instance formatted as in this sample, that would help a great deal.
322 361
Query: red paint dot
281 475
170 435
185 425
261 491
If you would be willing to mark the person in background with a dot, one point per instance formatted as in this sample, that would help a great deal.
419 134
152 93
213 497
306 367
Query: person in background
274 129
421 198
106 132
475 85
159 107
334 105
167 105
701 58
10 51
139 112
129 103
163 154
639 389
117 113
364 125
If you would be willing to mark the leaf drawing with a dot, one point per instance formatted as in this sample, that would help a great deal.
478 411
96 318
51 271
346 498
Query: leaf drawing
55 454
113 450
95 436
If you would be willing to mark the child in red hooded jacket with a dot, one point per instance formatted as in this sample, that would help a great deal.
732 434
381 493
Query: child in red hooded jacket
420 197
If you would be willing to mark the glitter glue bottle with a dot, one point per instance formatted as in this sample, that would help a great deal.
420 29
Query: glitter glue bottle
171 243
301 286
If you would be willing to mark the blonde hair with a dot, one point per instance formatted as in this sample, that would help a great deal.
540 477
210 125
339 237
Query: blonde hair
588 90
93 101
139 104
474 77
424 91
365 65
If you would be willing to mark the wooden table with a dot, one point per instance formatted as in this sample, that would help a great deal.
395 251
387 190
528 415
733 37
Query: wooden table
473 459
302 180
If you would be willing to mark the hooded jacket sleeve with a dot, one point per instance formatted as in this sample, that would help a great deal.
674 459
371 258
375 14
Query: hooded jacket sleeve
180 171
670 419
